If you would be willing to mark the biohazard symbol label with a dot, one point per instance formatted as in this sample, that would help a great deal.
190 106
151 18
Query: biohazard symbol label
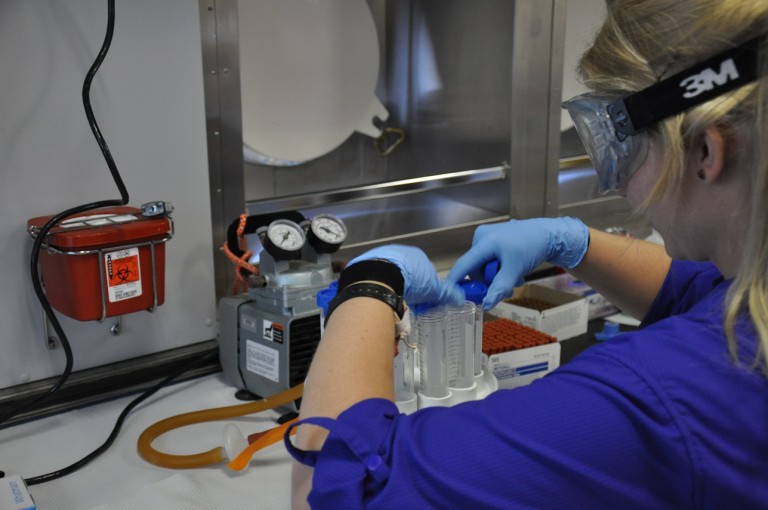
123 274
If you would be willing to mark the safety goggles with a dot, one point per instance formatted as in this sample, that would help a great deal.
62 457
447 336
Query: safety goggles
613 125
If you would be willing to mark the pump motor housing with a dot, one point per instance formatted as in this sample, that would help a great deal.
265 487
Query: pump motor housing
268 336
266 352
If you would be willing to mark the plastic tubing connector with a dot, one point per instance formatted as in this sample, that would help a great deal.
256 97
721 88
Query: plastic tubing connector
216 455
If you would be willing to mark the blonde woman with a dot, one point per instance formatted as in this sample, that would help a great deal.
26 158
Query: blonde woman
673 415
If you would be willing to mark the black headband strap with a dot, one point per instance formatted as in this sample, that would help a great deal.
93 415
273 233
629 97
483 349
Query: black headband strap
696 85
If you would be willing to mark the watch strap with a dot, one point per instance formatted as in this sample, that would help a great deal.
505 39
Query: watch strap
371 290
376 270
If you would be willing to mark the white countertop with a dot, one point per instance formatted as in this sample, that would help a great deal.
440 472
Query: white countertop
121 479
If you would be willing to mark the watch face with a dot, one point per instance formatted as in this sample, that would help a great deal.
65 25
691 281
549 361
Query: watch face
329 229
286 235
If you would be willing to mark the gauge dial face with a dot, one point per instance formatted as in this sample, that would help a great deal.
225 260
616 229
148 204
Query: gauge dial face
286 235
329 229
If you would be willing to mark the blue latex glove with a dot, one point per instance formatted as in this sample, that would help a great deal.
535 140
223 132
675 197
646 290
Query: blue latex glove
519 246
422 284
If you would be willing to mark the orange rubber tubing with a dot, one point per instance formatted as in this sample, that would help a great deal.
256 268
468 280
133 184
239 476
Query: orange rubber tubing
215 455
269 437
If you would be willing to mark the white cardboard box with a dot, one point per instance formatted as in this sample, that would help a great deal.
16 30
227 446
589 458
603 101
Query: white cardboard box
598 306
523 366
567 319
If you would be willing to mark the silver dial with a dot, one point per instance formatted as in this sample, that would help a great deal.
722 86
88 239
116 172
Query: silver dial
286 235
328 228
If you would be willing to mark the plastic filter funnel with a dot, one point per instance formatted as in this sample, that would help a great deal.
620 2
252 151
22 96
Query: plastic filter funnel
432 352
405 366
460 328
475 292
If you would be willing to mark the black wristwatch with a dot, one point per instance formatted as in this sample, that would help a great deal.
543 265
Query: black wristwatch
371 290
378 279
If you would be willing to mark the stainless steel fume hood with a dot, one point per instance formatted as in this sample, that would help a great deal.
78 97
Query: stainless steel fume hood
475 86
482 138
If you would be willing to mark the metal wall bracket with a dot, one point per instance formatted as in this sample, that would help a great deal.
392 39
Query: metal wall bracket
51 341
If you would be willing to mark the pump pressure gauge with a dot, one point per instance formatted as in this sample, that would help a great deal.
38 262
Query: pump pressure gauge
326 233
283 239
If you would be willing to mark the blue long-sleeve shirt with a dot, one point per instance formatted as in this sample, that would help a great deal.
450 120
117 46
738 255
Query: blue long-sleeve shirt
657 418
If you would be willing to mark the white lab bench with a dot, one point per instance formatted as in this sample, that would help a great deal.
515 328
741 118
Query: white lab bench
121 480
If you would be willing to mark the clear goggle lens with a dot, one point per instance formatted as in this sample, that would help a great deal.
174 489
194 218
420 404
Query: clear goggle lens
615 160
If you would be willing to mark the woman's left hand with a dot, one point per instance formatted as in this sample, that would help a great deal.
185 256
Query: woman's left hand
422 285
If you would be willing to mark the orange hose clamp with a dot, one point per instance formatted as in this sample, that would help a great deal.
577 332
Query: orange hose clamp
104 263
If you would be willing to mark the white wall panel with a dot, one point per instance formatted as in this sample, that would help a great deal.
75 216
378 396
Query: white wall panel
148 100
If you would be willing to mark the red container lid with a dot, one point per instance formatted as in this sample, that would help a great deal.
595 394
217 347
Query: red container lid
110 226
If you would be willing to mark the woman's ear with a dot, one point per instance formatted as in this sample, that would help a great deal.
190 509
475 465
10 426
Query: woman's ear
711 155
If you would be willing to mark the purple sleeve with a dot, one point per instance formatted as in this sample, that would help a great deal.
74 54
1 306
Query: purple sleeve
594 434
353 459
683 287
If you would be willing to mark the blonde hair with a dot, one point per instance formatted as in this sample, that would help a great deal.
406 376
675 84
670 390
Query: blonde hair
644 41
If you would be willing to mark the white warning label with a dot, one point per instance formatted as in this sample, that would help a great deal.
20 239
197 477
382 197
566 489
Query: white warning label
262 360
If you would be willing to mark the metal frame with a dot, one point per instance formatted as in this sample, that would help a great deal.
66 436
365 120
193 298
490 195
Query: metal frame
381 190
536 83
539 38
220 51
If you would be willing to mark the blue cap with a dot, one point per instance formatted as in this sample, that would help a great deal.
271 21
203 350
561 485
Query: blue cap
490 271
474 291
610 329
324 298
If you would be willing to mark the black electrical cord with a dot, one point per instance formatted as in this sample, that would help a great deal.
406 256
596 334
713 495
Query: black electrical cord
43 232
36 282
118 425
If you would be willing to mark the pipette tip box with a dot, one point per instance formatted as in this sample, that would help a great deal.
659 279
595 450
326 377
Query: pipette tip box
104 263
566 317
518 354
14 494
